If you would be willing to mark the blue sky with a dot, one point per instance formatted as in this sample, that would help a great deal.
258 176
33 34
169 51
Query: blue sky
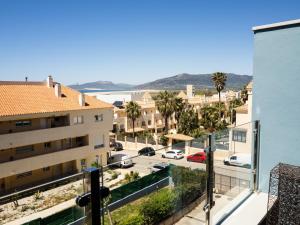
130 41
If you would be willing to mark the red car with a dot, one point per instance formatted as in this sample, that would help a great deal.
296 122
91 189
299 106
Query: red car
197 157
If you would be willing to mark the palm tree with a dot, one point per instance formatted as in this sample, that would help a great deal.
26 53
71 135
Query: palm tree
188 121
133 111
210 119
244 94
219 80
164 102
179 106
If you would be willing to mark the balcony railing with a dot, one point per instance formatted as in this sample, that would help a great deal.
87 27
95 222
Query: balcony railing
17 126
73 143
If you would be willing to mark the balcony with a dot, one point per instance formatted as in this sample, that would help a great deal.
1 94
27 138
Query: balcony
18 139
8 155
16 126
40 161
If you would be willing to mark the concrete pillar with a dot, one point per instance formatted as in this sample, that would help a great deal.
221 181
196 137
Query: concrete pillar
135 142
170 141
187 147
125 140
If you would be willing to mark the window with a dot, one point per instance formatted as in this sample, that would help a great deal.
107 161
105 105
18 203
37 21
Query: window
239 135
143 123
78 119
100 143
22 175
24 149
47 145
99 118
149 122
233 158
45 169
24 123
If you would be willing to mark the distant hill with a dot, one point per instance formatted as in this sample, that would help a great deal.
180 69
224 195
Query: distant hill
176 82
198 80
105 85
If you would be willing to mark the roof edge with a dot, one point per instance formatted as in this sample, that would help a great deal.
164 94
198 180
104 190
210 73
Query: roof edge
278 25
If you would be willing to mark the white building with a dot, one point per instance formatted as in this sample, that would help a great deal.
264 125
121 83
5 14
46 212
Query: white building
240 140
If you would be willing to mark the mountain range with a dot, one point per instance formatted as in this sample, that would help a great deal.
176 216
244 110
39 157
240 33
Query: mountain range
177 82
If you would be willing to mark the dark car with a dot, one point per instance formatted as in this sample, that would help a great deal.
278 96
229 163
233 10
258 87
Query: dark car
148 151
118 146
197 157
159 166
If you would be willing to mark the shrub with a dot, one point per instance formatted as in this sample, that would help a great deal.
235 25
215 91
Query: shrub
114 175
38 195
24 208
183 175
164 140
158 206
186 194
132 219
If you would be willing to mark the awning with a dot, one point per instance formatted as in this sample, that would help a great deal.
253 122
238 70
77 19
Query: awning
180 137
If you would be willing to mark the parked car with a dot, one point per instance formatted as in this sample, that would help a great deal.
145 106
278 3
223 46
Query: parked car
148 151
243 160
173 154
159 166
197 157
118 146
121 160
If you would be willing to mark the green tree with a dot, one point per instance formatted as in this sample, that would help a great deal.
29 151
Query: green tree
232 105
179 106
165 102
188 121
210 119
244 94
219 80
133 111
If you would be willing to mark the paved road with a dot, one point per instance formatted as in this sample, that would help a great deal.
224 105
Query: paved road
142 164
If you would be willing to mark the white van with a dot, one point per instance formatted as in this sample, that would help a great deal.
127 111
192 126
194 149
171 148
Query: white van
121 160
243 160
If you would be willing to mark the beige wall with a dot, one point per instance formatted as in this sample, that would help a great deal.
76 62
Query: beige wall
97 132
38 175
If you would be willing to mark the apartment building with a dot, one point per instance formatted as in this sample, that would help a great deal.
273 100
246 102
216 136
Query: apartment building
49 131
151 120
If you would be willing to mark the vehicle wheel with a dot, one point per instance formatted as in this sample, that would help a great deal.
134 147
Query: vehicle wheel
188 160
163 156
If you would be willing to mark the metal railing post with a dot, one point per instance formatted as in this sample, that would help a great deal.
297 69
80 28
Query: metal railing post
210 178
255 166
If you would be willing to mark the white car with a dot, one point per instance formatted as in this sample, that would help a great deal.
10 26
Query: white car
243 160
121 160
173 154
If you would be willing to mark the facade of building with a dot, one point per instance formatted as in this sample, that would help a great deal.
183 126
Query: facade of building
240 133
276 77
49 131
277 67
151 119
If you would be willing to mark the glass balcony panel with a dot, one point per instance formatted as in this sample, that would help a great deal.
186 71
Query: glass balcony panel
233 164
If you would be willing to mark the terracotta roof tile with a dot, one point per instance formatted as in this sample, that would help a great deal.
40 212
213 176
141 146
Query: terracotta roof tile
20 98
